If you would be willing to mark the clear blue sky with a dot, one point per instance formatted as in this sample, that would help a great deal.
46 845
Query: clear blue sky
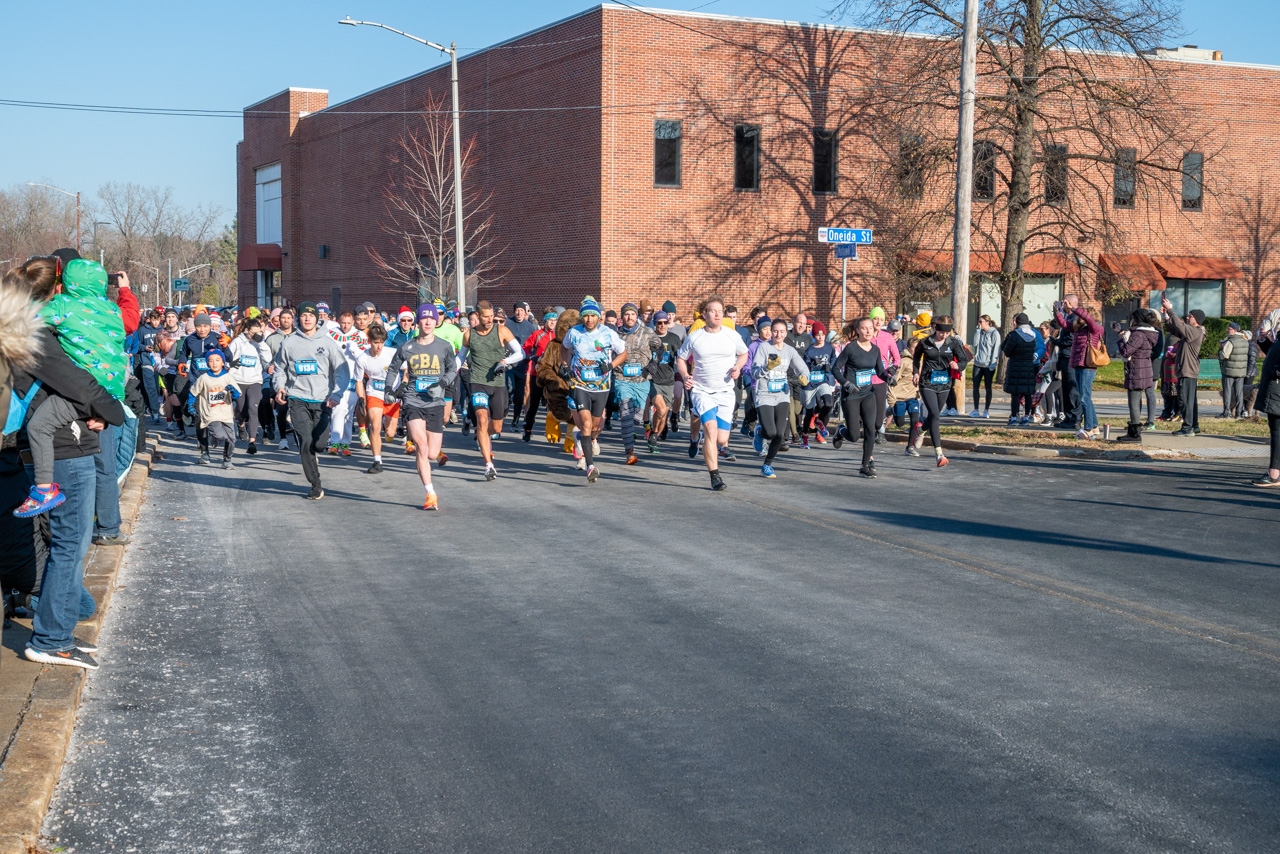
229 54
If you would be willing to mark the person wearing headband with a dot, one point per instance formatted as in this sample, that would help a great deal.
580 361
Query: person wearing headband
938 360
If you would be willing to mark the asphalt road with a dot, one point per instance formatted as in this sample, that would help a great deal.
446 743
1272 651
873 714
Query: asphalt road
1003 655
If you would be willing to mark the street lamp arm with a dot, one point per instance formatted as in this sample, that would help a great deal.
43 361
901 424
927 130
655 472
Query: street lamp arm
51 187
430 44
182 273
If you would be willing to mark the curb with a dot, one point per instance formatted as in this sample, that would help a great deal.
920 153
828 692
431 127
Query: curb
33 763
1123 454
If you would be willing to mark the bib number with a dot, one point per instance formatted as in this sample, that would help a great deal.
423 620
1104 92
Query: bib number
940 377
776 385
817 376
422 384
631 370
216 397
202 364
379 385
306 367
480 400
351 386
591 374
862 378
248 362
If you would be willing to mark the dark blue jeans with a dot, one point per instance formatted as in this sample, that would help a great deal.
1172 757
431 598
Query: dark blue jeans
71 528
107 489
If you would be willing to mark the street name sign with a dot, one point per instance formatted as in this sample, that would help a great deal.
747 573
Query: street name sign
847 250
844 235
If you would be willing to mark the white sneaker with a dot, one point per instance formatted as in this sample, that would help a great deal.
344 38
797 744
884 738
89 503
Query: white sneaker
580 464
595 448
283 446
1083 434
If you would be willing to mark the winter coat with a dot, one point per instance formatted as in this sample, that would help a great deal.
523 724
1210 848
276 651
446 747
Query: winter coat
1188 348
1020 346
555 388
1086 333
1234 355
1269 385
90 329
1138 347
986 348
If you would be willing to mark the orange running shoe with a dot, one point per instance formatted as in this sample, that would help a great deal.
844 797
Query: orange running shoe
442 459
409 448
632 459
432 503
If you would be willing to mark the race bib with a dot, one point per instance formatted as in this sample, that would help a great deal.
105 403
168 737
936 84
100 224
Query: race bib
665 359
351 386
591 373
631 370
480 400
216 397
379 385
940 377
248 362
817 376
202 364
776 385
423 383
306 367
861 378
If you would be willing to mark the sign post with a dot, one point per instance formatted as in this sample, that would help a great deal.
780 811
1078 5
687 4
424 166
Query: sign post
845 251
847 241
182 286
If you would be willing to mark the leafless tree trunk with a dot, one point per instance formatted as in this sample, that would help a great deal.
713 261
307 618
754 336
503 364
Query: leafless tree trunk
1254 223
420 215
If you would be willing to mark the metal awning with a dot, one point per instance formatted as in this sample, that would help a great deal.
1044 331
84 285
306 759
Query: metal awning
1139 272
1192 267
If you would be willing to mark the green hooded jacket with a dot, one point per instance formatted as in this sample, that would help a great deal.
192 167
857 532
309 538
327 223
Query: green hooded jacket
89 326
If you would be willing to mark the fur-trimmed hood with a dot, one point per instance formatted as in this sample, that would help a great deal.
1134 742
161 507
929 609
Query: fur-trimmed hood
19 325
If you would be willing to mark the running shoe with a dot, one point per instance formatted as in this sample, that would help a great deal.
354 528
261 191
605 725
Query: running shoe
409 447
880 439
716 483
283 446
1265 480
84 645
204 459
693 447
595 448
334 450
490 472
986 413
252 449
838 440
376 468
975 414
71 657
804 442
726 454
767 471
432 503
315 494
823 433
442 459
1013 421
227 464
653 445
580 463
784 447
869 470
911 451
747 431
593 474
1024 421
527 435
346 450
942 461
757 441
40 501
632 459
466 429
364 437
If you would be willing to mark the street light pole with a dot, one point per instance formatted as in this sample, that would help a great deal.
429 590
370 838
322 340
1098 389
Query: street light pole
97 245
79 245
155 270
964 172
459 259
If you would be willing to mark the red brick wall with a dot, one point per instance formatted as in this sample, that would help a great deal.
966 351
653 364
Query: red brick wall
572 189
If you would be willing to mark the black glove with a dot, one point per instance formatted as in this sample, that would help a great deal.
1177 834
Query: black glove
849 388
402 390
499 369
563 371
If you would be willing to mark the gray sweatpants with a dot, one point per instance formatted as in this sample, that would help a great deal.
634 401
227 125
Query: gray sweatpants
49 417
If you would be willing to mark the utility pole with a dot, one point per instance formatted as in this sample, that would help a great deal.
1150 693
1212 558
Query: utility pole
964 171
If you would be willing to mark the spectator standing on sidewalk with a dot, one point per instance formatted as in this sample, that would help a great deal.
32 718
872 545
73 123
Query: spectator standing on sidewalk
1086 333
1233 358
1137 343
1024 348
986 356
1269 403
1191 332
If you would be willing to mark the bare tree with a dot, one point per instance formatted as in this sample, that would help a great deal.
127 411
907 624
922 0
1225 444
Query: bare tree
419 202
1254 224
1066 99
34 221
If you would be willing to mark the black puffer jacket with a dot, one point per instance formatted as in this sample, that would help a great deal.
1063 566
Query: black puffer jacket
1020 372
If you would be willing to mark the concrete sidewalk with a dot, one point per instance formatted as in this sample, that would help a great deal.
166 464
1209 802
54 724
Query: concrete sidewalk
38 703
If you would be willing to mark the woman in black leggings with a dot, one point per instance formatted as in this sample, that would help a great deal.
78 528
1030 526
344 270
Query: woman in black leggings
938 358
858 363
1269 403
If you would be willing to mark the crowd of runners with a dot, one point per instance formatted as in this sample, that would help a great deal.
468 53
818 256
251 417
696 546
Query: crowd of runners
372 381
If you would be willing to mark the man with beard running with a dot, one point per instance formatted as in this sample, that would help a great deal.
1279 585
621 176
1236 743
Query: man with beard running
489 349
718 356
590 351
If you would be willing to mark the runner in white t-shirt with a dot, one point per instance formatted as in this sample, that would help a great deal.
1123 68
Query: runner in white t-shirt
371 382
719 356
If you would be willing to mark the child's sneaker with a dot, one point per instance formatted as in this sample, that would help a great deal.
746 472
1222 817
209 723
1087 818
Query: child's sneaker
40 501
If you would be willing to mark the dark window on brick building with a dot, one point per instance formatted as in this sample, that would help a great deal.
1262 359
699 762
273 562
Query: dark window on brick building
667 138
1055 174
984 170
1192 181
1126 175
825 161
911 167
746 157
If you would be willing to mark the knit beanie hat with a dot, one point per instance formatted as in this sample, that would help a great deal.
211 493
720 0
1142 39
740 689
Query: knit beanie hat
589 306
669 307
818 326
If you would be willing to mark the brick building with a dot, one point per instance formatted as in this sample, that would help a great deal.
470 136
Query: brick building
630 153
